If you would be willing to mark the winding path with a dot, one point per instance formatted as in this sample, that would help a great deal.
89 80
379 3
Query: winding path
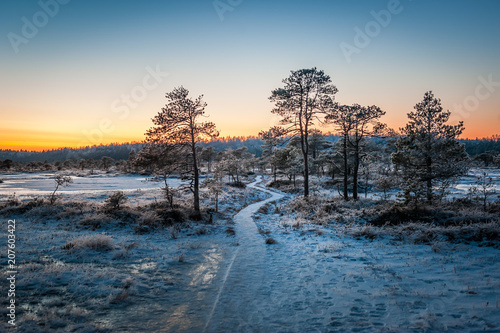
238 305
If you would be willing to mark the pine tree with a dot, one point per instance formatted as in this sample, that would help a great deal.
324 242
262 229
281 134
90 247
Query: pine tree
306 96
178 124
428 151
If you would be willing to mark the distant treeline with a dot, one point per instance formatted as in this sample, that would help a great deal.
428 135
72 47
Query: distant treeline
481 146
119 152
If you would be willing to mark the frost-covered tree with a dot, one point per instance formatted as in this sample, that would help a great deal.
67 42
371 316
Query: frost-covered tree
483 188
288 160
178 123
302 102
354 123
162 160
208 155
60 181
428 152
273 138
106 162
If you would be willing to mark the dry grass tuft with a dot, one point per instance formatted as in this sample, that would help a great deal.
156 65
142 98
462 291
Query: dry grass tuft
98 242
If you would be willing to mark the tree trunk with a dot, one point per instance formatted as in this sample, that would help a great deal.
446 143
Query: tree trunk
196 189
355 173
428 162
346 169
306 176
216 202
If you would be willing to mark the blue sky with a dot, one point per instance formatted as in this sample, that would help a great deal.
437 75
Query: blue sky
69 77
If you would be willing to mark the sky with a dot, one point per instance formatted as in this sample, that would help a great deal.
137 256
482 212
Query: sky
84 72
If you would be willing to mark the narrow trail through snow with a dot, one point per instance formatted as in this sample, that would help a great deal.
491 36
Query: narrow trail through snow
239 301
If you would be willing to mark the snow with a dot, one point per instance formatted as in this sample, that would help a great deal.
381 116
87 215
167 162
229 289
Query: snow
314 279
25 184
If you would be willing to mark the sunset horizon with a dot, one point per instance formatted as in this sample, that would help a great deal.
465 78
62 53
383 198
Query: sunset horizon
68 82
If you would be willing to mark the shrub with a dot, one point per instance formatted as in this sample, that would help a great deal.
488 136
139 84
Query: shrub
36 202
263 210
47 211
115 200
13 200
237 184
171 217
271 241
95 221
151 219
99 242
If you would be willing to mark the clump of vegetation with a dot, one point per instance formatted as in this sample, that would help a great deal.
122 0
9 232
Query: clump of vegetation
201 231
171 217
115 201
151 219
98 242
237 184
270 241
263 209
13 200
287 186
95 221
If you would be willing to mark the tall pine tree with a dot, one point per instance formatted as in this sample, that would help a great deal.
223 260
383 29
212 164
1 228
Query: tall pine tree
428 152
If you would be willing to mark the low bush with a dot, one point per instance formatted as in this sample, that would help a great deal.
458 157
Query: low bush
288 186
151 219
171 216
115 200
95 221
98 242
271 241
237 184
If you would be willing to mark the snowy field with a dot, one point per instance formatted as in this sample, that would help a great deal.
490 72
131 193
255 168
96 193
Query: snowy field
224 277
42 183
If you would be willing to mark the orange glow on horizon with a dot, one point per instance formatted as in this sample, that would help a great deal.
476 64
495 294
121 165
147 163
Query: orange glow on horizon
29 141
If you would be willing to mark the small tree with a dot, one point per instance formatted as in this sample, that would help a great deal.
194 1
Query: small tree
272 140
179 124
208 155
163 161
428 151
484 187
354 123
106 162
60 181
302 102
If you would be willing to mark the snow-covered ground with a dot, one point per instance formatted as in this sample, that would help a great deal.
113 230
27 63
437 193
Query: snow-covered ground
320 279
42 183
204 278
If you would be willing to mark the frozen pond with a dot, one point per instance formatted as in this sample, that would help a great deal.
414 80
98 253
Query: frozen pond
24 184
